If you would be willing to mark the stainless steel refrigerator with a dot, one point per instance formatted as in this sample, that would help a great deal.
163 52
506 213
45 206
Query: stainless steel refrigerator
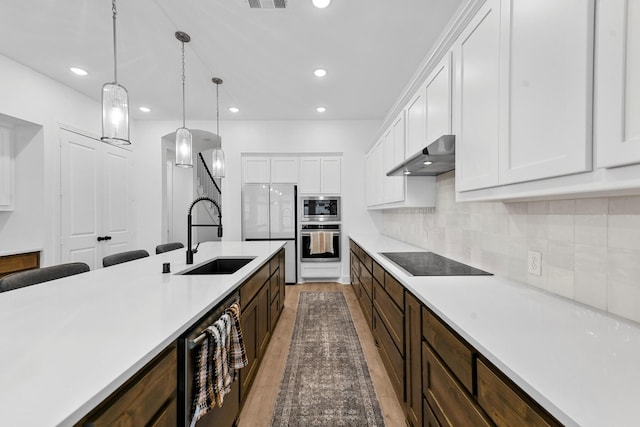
269 212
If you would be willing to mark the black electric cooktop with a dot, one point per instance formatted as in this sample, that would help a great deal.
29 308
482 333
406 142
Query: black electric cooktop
430 264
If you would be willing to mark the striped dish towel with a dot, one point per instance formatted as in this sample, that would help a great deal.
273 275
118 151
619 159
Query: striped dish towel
237 353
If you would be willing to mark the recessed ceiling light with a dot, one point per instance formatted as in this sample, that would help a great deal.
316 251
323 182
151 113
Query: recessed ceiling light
234 109
406 172
78 71
144 109
428 162
321 109
320 72
321 4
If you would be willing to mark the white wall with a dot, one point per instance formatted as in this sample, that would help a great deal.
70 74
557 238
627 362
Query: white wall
348 137
30 96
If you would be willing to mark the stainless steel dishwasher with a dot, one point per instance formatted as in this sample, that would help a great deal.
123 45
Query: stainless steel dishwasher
188 348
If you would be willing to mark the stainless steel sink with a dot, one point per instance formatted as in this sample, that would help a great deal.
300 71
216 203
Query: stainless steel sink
220 266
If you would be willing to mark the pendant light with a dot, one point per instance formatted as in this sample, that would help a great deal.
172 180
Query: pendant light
183 135
217 165
115 102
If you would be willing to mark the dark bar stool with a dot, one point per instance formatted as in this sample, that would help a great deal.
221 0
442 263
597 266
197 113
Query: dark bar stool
121 257
40 275
166 247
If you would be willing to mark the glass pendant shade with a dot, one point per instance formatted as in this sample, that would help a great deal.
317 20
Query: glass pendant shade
183 148
217 163
115 114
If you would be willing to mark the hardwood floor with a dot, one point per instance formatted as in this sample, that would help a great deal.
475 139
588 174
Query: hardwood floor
261 399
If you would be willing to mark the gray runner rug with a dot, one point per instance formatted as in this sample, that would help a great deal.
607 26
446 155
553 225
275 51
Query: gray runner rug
326 380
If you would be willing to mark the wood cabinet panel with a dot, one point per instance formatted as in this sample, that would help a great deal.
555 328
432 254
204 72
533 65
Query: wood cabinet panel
249 322
378 272
451 404
428 417
144 399
394 289
505 405
253 285
392 316
367 306
263 327
457 355
366 279
413 360
274 284
390 355
19 262
167 416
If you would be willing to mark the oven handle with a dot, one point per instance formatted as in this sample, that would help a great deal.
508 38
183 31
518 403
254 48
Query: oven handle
308 233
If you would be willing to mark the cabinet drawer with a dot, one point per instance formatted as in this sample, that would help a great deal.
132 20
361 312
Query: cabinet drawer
275 310
452 350
390 355
378 272
275 284
367 262
366 305
506 404
366 279
274 264
450 403
19 262
391 315
428 417
144 398
394 289
251 287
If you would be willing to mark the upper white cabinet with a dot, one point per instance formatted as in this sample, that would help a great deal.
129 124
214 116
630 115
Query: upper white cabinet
393 148
476 56
416 123
523 94
6 170
617 85
438 105
256 170
284 170
320 175
547 54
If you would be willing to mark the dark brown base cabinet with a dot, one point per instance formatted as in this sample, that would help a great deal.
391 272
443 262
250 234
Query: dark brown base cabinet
150 398
440 379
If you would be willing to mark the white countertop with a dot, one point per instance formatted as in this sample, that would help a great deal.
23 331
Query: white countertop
581 364
67 344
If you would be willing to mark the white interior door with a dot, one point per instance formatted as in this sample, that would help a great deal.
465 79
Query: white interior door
95 200
81 201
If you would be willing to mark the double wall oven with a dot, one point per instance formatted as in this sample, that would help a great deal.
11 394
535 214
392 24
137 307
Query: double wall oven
320 229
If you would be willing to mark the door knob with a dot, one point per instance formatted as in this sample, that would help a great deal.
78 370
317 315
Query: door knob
101 238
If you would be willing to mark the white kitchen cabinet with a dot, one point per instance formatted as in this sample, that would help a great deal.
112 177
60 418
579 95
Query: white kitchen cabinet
416 123
320 175
547 54
284 170
310 175
438 102
330 175
370 193
393 148
617 97
6 169
256 170
477 111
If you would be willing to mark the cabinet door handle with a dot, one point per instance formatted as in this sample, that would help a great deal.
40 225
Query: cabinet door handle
101 238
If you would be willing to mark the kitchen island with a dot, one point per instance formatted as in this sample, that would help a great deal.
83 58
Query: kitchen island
578 363
68 344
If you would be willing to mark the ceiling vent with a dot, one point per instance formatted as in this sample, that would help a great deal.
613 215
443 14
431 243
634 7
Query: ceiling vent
267 4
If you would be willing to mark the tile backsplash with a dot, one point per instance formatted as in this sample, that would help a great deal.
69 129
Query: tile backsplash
590 247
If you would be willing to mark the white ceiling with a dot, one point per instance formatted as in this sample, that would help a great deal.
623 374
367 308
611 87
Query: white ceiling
266 57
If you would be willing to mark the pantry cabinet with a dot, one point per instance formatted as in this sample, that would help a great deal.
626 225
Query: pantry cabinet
617 97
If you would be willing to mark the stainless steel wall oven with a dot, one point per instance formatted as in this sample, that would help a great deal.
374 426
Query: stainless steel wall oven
320 243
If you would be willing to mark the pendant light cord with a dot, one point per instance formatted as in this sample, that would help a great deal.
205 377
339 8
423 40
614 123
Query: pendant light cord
183 103
115 51
217 109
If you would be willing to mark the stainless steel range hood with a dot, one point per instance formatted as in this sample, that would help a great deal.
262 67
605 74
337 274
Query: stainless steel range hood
436 158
